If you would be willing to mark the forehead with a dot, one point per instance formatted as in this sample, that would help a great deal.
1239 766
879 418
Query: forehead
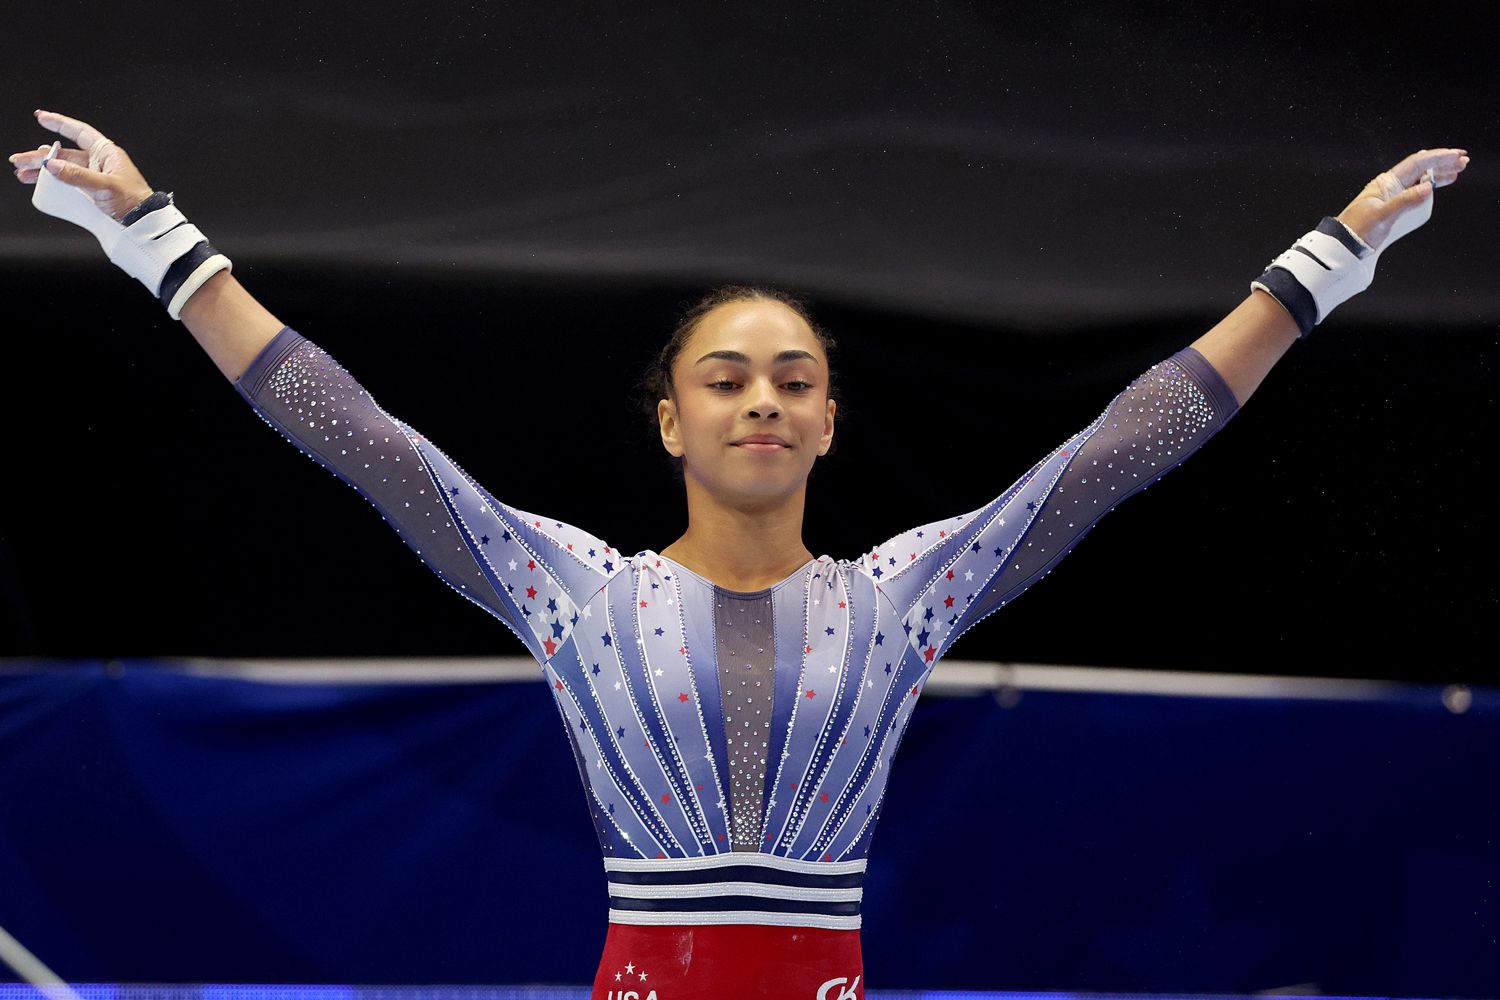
760 328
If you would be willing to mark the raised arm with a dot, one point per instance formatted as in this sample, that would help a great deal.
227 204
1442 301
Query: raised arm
1243 346
531 572
943 577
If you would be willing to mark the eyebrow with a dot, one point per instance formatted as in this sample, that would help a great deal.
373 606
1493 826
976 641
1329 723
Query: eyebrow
744 359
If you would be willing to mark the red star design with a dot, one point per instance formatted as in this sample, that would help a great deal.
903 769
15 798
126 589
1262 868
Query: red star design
683 697
666 798
823 797
643 604
570 546
812 694
682 650
537 523
531 564
948 601
531 593
942 534
931 652
558 684
950 574
550 646
808 649
914 555
843 604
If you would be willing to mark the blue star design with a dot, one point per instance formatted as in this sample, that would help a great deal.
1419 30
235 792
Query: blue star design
525 611
611 808
922 637
879 638
1031 506
658 631
620 732
952 620
887 668
591 553
583 723
484 539
828 630
453 491
505 536
875 572
919 534
608 566
892 560
927 617
656 586
998 551
557 630
867 732
574 619
907 627
605 639
974 547
551 604
596 670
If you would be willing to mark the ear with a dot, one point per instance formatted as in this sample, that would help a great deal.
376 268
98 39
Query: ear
666 419
826 441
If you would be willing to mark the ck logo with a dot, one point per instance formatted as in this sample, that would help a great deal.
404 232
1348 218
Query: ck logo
849 993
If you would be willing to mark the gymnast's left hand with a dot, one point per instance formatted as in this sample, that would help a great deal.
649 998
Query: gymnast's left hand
1402 194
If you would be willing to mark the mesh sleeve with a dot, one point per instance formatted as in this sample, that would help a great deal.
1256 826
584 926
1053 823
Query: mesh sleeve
518 567
943 577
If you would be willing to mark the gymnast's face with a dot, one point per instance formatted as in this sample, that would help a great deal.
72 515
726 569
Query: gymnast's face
750 412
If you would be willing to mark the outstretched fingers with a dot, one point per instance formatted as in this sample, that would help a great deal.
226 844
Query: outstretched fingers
82 133
1445 165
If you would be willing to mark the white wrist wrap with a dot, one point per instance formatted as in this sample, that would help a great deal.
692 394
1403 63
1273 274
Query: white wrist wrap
1325 267
145 250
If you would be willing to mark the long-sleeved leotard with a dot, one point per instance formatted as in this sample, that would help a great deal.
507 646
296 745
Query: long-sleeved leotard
734 747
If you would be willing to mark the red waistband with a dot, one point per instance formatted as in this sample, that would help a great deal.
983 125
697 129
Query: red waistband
642 962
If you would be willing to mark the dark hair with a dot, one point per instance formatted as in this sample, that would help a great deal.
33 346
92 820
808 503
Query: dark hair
656 382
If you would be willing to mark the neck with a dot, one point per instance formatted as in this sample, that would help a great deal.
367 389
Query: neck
744 546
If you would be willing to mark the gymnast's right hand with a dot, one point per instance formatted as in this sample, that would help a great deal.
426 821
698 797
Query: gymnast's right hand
96 187
97 167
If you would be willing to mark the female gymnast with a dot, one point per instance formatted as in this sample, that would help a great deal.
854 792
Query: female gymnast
733 701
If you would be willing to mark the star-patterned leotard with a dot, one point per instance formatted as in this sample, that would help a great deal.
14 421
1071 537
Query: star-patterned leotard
734 747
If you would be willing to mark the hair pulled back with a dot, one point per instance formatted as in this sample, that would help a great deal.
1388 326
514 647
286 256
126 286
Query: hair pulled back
656 382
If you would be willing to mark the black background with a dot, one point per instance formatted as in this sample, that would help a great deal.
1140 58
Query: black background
491 215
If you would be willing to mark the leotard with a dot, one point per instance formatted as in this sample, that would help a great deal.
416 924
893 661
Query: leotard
734 747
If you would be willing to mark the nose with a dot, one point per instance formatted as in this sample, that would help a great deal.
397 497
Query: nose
762 402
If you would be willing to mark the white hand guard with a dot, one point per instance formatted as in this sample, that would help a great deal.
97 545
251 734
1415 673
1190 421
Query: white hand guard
147 249
1330 265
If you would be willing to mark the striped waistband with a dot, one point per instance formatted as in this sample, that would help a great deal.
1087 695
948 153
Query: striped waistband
736 888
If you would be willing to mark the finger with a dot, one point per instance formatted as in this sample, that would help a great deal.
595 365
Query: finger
32 159
1411 197
26 176
81 177
1411 169
84 134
